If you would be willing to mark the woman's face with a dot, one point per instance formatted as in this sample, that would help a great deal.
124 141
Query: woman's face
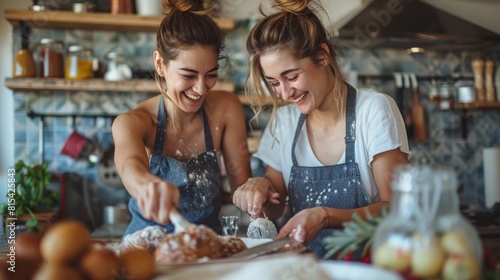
190 76
298 81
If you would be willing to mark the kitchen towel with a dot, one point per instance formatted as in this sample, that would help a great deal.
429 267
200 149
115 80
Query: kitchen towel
491 167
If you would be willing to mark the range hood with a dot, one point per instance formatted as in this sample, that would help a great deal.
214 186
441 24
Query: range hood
406 24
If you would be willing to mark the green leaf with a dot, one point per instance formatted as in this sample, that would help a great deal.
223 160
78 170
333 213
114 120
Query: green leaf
32 225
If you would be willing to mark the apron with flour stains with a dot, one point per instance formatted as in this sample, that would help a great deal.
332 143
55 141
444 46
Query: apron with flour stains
336 186
199 181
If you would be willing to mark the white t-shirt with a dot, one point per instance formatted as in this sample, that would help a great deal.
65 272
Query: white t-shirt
379 128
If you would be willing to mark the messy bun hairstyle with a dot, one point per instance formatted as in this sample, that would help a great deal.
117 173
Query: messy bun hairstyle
187 23
296 29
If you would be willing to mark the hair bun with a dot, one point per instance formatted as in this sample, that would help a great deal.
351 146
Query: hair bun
183 5
292 6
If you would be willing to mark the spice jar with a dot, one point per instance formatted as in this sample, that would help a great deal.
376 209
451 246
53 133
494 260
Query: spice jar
79 63
50 58
116 67
425 236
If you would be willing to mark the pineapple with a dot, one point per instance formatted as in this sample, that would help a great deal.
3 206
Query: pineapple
357 234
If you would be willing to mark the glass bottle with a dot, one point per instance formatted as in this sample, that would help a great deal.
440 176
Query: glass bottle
425 236
79 63
50 58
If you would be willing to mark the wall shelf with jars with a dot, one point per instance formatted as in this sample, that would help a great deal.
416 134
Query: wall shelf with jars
93 21
94 84
100 85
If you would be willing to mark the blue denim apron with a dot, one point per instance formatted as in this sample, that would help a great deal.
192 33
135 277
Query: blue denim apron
199 181
336 186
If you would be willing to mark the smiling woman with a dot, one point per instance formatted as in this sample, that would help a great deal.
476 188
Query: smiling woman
337 159
168 148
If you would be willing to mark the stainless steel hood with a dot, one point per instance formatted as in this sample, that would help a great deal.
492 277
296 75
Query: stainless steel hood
413 23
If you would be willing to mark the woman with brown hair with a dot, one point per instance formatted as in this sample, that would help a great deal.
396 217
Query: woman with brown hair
332 152
168 147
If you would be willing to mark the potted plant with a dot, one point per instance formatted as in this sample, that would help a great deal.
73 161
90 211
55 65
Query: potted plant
31 201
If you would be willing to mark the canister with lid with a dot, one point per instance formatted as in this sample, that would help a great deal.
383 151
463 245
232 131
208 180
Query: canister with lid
50 58
117 68
79 63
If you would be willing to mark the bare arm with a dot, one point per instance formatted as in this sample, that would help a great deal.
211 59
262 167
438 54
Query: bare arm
234 143
155 197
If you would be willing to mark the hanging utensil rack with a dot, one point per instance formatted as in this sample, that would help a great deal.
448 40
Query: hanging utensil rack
41 125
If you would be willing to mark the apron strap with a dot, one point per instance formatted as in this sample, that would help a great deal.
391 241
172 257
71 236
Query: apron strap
302 118
350 124
209 144
161 129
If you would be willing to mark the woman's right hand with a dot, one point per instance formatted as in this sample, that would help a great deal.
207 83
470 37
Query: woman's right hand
251 196
156 199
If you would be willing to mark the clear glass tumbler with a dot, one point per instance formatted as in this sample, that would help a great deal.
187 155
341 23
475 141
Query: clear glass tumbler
230 225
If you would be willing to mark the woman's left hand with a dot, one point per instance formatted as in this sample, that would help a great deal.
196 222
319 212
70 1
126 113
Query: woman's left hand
304 225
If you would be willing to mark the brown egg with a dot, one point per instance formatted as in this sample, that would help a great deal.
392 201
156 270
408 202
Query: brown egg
28 246
57 272
100 263
64 242
138 264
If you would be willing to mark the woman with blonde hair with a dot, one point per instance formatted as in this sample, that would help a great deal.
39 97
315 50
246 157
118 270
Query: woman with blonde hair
332 151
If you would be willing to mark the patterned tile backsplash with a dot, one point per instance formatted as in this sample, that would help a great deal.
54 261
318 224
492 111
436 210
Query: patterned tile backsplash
448 144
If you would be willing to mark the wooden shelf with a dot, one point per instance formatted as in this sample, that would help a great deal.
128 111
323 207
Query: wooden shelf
93 21
134 85
477 105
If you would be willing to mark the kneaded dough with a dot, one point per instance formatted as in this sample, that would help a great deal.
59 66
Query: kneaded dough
262 228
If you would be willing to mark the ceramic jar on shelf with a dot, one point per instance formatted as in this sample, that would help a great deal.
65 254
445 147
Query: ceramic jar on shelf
425 236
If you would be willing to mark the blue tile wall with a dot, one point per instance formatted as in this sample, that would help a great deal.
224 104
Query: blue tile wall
446 144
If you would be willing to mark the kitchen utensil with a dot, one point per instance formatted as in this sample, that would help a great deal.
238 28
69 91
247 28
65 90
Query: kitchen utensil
398 80
81 8
407 104
116 214
489 67
478 70
76 145
180 223
466 94
149 8
266 248
121 7
417 113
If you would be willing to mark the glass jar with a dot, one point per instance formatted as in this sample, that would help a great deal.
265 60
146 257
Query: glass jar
23 65
425 236
116 67
79 63
50 58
